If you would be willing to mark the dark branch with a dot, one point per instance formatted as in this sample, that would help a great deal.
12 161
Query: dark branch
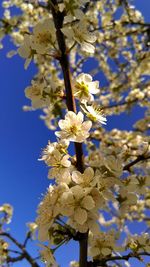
58 18
104 261
137 160
24 253
12 260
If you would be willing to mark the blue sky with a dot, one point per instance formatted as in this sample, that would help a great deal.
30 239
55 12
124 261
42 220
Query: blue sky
22 136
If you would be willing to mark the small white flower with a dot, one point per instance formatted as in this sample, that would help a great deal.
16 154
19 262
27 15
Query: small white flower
25 51
79 33
137 184
73 9
125 200
139 243
47 153
37 94
48 209
7 209
60 167
90 223
94 113
76 203
85 179
114 165
73 128
102 244
84 87
43 36
55 156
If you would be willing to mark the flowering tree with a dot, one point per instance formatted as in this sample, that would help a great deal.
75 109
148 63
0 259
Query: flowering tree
100 178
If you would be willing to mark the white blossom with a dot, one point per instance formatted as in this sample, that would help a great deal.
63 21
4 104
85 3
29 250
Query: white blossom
114 165
37 94
59 167
26 50
84 87
126 199
102 244
87 179
94 113
55 156
76 204
73 128
79 33
139 243
138 184
44 36
47 153
48 209
7 209
73 8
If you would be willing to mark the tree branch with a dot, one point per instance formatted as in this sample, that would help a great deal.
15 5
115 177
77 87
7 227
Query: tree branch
12 260
64 62
27 238
127 257
121 104
137 160
104 261
58 18
24 255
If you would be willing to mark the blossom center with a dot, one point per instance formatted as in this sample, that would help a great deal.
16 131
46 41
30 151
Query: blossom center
73 129
43 38
83 89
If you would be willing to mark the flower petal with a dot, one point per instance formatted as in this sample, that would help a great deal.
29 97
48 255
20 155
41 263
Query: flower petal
80 216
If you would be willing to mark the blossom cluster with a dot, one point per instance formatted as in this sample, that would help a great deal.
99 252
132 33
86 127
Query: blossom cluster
113 186
40 42
3 251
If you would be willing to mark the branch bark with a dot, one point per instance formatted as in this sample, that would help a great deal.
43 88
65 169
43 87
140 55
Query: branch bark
58 18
